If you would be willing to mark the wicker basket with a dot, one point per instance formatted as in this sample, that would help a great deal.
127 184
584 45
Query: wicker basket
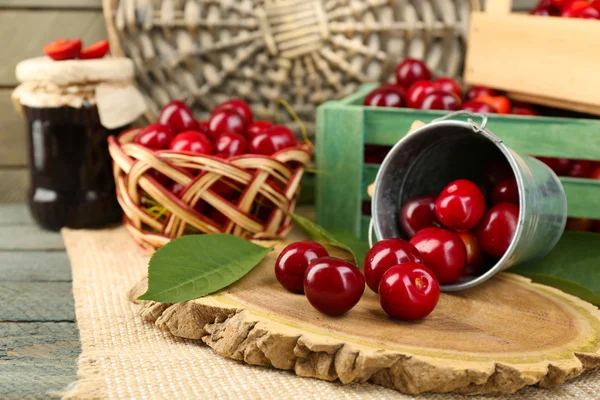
305 51
259 192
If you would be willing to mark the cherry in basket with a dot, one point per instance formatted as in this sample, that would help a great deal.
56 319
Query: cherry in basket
231 144
63 49
193 142
272 140
239 106
225 120
155 136
443 252
384 97
460 206
257 127
178 116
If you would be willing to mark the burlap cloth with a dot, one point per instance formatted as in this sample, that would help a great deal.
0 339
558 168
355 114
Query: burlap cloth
125 358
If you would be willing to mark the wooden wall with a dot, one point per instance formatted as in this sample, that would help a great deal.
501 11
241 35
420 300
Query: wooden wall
25 27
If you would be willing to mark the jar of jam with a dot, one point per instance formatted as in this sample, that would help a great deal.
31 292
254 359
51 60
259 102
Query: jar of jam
71 108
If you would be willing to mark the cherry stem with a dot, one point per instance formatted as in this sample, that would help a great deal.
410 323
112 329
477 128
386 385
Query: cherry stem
291 111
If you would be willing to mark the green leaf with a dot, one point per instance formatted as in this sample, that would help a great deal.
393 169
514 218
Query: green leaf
193 266
573 266
341 239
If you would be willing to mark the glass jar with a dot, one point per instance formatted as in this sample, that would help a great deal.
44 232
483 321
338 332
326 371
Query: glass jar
71 170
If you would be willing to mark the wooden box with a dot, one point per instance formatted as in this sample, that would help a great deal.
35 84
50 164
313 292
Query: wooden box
545 60
345 127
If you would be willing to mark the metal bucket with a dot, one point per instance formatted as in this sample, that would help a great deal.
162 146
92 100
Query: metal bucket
430 157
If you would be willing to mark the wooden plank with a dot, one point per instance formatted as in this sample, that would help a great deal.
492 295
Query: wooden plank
13 139
14 214
37 358
35 266
13 185
554 56
29 237
52 4
338 188
498 6
49 25
36 301
556 103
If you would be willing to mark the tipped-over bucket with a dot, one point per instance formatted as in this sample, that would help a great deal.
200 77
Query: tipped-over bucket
429 158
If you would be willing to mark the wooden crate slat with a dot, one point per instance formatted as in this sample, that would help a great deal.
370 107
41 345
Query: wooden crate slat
555 56
26 42
13 139
343 141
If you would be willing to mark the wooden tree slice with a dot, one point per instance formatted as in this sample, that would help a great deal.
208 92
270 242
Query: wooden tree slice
495 338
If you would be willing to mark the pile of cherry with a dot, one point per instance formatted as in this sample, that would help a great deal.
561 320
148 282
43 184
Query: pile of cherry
449 236
230 131
588 9
415 88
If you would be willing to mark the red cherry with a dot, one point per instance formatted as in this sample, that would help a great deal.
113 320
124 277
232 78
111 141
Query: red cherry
439 100
178 116
293 261
506 191
519 108
497 170
449 85
177 189
63 49
411 70
595 173
581 168
497 229
409 291
154 137
560 166
474 254
272 140
580 9
384 97
203 127
418 213
560 4
478 106
384 255
257 127
395 87
193 142
501 103
160 177
443 252
579 224
476 91
227 189
97 50
239 106
231 144
417 92
333 286
226 120
460 205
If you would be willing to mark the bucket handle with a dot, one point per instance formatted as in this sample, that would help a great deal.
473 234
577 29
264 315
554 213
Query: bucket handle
371 226
477 128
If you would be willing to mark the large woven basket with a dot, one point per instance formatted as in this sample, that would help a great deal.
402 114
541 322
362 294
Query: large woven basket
305 51
261 191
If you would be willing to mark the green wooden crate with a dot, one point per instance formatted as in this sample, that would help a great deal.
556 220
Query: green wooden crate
344 128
